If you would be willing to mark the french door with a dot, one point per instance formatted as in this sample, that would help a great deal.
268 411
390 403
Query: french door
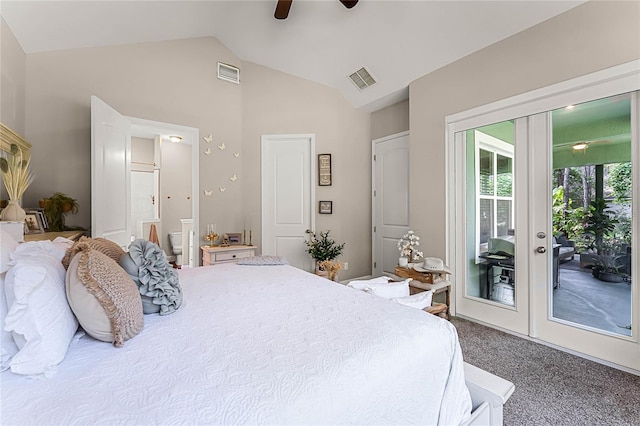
555 170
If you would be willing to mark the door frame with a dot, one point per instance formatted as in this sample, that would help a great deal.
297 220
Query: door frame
191 136
619 79
311 138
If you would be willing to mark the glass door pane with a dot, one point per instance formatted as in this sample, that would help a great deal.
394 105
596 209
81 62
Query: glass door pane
490 236
592 214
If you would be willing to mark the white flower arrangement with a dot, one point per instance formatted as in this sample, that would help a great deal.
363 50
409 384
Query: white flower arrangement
408 246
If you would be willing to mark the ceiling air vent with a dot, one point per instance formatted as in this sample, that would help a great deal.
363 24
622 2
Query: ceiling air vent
362 78
228 73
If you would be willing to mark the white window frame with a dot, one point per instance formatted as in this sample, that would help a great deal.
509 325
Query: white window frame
495 146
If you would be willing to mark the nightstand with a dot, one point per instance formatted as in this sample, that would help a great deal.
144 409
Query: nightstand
212 255
423 281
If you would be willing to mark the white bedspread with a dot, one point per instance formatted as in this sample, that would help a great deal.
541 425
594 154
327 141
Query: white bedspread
257 345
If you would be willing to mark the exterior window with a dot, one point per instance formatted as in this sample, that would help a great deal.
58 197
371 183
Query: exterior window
494 189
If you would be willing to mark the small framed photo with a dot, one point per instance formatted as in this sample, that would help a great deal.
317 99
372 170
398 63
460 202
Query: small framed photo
325 207
40 213
33 224
235 238
324 169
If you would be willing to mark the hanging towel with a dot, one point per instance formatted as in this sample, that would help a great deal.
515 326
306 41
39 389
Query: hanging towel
153 234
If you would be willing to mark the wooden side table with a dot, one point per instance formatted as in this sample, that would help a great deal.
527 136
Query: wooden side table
71 235
424 281
212 255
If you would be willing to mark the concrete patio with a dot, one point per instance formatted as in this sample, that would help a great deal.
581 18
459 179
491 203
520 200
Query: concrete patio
583 299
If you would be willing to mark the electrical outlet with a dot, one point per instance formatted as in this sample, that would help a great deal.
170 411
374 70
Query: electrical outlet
346 265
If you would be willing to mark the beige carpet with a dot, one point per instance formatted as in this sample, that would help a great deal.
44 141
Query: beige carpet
552 387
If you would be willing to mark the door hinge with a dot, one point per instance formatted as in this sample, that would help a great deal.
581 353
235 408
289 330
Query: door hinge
374 157
374 229
374 192
375 265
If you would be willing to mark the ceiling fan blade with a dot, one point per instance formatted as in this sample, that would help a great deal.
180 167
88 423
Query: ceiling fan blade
349 3
282 9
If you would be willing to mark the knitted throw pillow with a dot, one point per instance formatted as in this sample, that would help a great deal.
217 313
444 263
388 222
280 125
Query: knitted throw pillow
103 297
108 247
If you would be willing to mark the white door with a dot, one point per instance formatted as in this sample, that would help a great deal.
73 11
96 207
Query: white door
491 244
287 197
390 200
510 223
110 174
609 330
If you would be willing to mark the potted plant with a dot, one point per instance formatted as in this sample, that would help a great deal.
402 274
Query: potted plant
323 248
408 247
609 265
599 224
17 177
55 208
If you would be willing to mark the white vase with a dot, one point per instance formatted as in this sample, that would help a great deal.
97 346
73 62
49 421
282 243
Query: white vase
403 262
13 212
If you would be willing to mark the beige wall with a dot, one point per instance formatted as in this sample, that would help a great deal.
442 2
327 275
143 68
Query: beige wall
591 37
12 84
173 82
390 120
137 81
277 103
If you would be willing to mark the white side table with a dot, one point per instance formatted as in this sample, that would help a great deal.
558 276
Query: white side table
212 255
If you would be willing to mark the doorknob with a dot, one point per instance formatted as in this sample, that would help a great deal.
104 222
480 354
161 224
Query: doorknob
541 249
309 231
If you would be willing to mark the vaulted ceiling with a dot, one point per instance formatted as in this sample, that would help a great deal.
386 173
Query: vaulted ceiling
397 41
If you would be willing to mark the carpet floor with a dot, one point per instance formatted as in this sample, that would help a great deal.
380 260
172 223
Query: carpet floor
551 387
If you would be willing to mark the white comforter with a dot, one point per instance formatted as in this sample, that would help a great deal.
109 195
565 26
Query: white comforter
258 345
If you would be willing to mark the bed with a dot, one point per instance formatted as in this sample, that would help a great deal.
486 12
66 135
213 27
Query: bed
258 345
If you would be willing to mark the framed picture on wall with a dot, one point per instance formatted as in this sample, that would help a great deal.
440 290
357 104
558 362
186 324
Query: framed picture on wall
324 169
325 207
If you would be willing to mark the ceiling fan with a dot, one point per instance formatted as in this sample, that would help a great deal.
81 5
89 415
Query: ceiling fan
283 6
585 144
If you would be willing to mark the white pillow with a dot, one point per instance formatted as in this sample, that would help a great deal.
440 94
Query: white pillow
7 245
419 300
389 290
39 316
361 284
8 347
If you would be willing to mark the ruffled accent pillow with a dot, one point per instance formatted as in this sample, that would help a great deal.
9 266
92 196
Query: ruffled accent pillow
108 247
157 281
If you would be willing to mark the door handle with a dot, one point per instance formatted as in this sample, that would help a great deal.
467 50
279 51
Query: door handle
309 231
541 249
